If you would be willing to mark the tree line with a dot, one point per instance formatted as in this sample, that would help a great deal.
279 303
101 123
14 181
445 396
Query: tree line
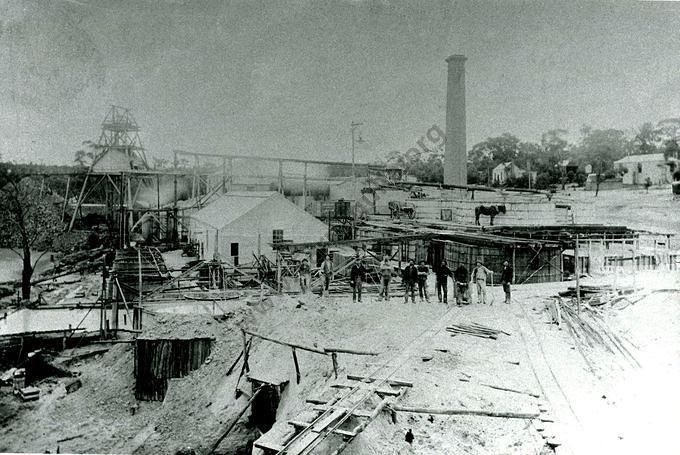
554 159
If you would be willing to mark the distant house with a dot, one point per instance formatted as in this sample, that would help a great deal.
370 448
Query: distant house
509 170
567 166
639 168
238 224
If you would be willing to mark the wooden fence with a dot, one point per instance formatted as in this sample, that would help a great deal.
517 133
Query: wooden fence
157 360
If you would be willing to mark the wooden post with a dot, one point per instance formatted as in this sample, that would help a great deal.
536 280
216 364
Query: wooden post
138 313
224 175
105 324
101 320
633 267
278 271
78 202
175 224
123 216
334 357
235 421
111 295
577 270
297 366
216 249
246 367
231 173
63 210
304 188
281 176
514 247
195 192
259 256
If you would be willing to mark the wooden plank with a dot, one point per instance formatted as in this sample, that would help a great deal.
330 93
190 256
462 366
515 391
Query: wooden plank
286 343
380 390
326 421
355 413
265 445
350 351
392 382
300 445
389 392
475 412
508 389
299 424
346 433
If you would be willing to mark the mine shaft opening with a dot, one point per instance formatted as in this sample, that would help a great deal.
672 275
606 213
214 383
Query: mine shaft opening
266 404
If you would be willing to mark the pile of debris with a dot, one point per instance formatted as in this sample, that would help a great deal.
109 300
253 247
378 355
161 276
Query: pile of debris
599 295
474 329
586 324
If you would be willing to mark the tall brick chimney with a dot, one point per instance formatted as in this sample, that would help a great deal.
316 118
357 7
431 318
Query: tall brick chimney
455 156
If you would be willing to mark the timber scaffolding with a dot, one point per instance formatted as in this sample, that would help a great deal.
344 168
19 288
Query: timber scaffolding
536 252
119 188
155 201
533 260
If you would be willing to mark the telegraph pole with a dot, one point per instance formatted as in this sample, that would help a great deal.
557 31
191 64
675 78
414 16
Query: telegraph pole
353 128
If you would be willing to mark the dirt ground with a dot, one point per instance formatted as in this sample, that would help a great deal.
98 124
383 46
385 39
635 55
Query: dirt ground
599 400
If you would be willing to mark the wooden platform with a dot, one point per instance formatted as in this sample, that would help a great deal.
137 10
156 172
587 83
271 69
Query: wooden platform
343 418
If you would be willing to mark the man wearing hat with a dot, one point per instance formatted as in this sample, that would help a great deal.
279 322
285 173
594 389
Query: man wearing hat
479 276
506 280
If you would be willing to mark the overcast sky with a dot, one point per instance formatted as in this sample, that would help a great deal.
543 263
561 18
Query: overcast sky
286 78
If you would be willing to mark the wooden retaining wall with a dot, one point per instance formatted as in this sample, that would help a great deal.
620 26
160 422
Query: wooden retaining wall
157 360
520 210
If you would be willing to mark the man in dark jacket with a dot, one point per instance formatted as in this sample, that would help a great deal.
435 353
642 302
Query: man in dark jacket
443 273
327 275
506 280
305 278
461 278
410 278
422 281
356 279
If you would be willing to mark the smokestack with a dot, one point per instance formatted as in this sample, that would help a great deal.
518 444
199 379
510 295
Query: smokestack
455 156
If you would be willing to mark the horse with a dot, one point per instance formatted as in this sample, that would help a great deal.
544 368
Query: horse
491 211
397 209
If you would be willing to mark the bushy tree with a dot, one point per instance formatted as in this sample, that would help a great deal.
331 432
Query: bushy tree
668 131
647 139
29 220
601 148
86 158
426 166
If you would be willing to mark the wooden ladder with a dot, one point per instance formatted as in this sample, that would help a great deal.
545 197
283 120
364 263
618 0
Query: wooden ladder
332 415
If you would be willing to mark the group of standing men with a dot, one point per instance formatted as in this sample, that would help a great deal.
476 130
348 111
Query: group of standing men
480 276
413 276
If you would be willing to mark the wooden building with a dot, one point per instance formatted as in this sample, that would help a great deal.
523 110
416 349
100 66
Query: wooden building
239 225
